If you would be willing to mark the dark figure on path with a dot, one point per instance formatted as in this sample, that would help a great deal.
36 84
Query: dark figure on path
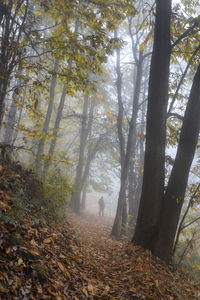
101 207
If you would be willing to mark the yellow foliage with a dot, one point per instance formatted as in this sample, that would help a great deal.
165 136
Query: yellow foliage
38 12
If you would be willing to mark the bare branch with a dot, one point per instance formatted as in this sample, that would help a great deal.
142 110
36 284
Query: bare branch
175 115
181 81
185 34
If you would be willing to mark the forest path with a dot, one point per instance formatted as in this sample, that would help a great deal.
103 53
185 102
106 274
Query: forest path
118 270
106 261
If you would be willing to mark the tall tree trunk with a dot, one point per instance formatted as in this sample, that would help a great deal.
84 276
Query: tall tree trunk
154 163
47 119
132 185
12 30
8 136
59 115
120 108
92 150
124 219
76 197
55 130
84 193
176 187
138 190
19 117
140 169
116 230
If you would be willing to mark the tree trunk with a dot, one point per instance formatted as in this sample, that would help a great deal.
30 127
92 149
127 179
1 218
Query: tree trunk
116 230
55 130
92 150
76 197
124 220
3 89
140 178
154 171
83 201
176 187
132 185
47 119
141 156
58 116
120 108
19 117
11 35
8 136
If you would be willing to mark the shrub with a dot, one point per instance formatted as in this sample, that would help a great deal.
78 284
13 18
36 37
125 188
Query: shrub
57 192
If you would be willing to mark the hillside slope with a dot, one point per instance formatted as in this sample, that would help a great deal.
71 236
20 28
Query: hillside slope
74 259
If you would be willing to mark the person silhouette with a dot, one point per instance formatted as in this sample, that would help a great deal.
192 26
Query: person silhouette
101 207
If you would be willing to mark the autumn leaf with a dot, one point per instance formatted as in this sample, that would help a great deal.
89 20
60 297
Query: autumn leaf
90 288
33 243
38 12
64 270
6 206
47 241
33 252
85 292
20 261
3 290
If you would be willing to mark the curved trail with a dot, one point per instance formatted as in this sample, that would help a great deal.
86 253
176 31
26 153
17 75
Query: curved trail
118 270
102 257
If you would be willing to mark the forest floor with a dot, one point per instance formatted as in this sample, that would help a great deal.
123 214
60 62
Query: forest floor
119 270
41 258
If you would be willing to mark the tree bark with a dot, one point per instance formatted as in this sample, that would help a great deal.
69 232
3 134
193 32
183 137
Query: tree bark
132 186
176 187
84 193
19 117
47 118
58 116
124 219
92 150
120 108
55 130
8 136
116 230
76 197
153 179
141 154
12 28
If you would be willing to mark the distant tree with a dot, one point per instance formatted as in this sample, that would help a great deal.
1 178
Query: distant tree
128 146
47 117
76 197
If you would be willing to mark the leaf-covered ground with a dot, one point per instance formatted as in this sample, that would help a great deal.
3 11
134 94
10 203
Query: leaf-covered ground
117 270
74 259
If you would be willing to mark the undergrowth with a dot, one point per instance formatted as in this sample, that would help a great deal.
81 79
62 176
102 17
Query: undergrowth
57 191
23 194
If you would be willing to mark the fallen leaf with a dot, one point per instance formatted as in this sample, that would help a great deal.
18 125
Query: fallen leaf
34 253
4 205
62 268
3 290
85 292
90 288
107 288
33 243
4 276
20 261
47 241
8 250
